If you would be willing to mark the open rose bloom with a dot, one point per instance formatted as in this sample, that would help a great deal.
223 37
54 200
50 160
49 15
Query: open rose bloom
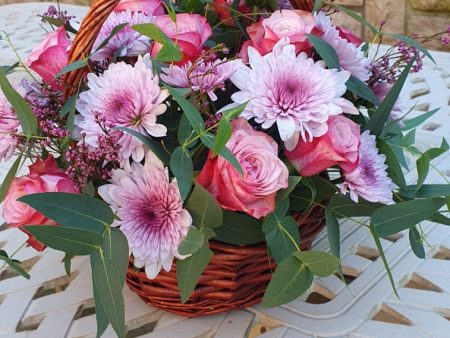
183 131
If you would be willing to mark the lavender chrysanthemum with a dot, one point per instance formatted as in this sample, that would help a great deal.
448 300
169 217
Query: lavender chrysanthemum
351 58
204 77
125 96
9 123
369 179
150 213
126 42
296 93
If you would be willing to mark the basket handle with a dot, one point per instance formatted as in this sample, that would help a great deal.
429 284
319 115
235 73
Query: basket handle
305 5
84 40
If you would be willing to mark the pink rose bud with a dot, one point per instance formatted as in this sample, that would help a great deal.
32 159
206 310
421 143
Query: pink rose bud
44 176
292 24
50 56
264 173
148 7
338 146
190 33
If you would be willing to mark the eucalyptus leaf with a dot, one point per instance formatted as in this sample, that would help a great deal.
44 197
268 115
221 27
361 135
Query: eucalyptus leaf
394 170
190 269
183 169
72 241
379 117
394 218
319 263
290 280
9 178
423 167
68 106
426 191
416 243
106 279
234 112
417 121
209 140
359 88
333 232
192 243
204 209
325 50
13 264
239 229
72 66
192 114
223 135
67 263
72 210
282 235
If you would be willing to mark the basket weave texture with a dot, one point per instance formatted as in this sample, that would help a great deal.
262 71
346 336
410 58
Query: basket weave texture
237 276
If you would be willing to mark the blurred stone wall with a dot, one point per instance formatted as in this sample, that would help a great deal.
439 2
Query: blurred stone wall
425 17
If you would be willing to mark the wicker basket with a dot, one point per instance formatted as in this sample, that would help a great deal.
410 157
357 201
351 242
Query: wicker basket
237 276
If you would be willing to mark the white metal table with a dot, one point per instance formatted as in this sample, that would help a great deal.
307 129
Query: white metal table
53 305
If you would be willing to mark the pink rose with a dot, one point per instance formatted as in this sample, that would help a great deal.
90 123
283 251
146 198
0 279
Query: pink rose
44 176
293 24
50 56
148 7
190 33
223 9
339 145
264 173
348 35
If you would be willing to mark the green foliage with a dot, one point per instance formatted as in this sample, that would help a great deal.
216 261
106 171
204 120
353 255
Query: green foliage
169 51
417 121
73 241
9 178
290 280
23 111
416 242
192 243
182 167
223 135
239 229
319 263
394 218
426 191
13 264
190 269
72 210
394 170
72 66
325 50
204 209
379 117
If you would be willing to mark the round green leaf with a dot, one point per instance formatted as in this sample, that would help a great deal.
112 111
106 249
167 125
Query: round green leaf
320 263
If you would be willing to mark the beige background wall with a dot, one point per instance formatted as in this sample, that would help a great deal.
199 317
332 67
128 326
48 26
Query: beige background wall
425 17
402 16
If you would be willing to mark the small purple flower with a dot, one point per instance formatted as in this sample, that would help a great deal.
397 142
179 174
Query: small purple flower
202 76
369 179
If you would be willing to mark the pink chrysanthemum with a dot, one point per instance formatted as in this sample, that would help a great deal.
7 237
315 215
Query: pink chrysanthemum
292 91
150 213
126 96
369 179
126 42
203 77
9 124
351 58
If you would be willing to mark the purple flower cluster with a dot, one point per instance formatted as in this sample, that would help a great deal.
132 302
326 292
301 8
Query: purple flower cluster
54 13
388 67
46 105
88 163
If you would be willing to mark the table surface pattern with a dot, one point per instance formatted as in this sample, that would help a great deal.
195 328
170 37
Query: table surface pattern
54 305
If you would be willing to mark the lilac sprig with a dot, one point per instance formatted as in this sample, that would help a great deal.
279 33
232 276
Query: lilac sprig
89 163
54 13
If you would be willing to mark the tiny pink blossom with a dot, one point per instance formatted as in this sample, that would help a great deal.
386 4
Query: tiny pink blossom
150 213
126 96
204 77
291 91
369 179
126 42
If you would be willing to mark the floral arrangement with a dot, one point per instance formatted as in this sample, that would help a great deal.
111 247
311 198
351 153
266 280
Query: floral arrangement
197 119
